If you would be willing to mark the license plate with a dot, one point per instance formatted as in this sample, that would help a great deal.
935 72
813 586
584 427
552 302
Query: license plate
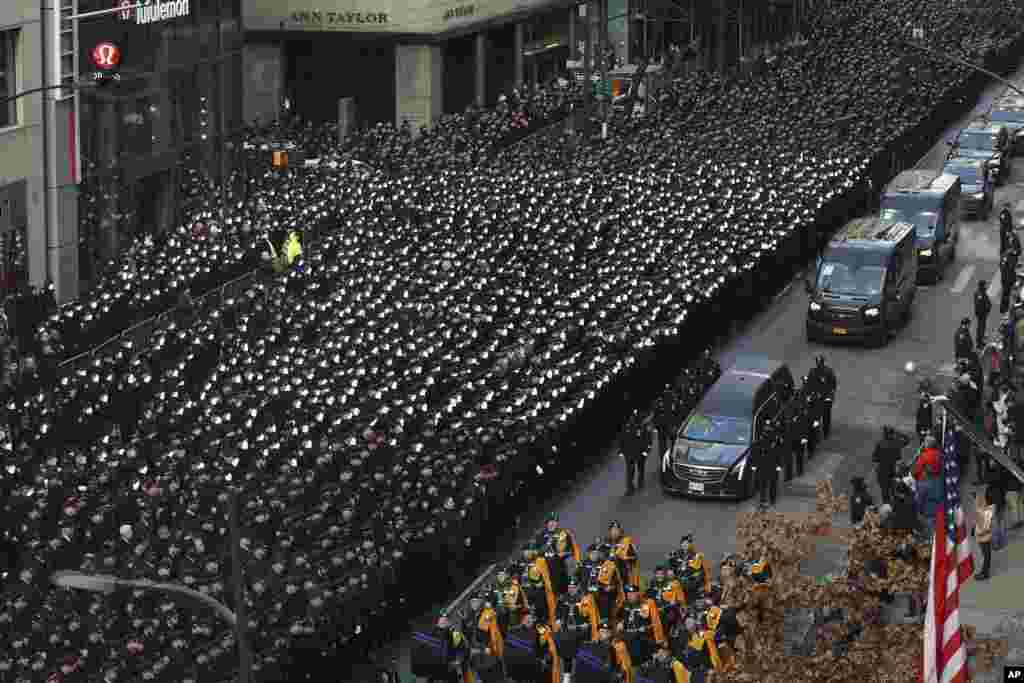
697 487
839 330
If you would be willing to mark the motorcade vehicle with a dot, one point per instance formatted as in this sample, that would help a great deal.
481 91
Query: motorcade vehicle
865 283
977 186
1009 111
983 142
711 453
931 201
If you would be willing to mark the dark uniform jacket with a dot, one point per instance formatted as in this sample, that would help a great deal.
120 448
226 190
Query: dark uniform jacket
575 626
982 304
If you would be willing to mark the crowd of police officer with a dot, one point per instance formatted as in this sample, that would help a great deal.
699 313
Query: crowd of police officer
561 610
353 400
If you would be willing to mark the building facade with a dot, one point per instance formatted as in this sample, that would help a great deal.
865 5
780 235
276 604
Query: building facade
417 60
169 123
126 146
22 238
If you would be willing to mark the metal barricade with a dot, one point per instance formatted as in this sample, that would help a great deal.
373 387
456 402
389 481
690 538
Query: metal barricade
140 333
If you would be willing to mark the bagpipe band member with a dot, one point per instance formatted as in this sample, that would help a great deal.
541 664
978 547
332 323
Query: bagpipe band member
624 552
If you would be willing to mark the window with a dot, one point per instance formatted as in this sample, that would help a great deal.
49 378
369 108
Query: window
8 77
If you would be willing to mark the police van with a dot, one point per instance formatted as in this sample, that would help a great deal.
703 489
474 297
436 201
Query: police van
865 283
931 201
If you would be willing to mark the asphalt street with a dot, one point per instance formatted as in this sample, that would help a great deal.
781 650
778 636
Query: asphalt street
874 390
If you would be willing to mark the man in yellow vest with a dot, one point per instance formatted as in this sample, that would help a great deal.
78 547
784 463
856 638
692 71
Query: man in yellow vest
292 248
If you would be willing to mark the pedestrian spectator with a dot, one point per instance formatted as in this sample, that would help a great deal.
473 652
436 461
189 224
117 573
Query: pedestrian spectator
927 473
962 344
925 421
860 500
1005 228
996 494
1014 509
984 518
1008 275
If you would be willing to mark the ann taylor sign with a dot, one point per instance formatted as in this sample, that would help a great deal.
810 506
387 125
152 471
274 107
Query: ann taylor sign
153 12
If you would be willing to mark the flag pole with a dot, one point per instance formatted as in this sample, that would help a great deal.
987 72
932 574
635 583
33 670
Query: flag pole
945 419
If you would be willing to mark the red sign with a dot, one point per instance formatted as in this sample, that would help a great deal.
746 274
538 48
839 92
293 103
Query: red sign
127 9
106 56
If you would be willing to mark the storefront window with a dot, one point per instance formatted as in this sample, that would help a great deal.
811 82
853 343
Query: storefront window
13 259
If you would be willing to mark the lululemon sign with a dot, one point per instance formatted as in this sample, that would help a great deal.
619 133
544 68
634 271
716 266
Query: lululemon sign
153 12
106 56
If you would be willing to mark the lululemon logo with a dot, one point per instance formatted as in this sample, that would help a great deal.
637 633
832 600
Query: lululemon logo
106 56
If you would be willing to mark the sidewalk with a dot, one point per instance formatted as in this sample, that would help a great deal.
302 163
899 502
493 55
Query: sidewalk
995 608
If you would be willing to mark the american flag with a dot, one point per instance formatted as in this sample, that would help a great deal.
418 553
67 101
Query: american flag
945 653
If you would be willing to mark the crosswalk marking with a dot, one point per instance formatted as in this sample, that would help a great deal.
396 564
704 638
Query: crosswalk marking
963 278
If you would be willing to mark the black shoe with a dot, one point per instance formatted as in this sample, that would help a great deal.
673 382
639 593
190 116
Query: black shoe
629 491
982 576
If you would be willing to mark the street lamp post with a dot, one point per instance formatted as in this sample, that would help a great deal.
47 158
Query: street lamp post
105 583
